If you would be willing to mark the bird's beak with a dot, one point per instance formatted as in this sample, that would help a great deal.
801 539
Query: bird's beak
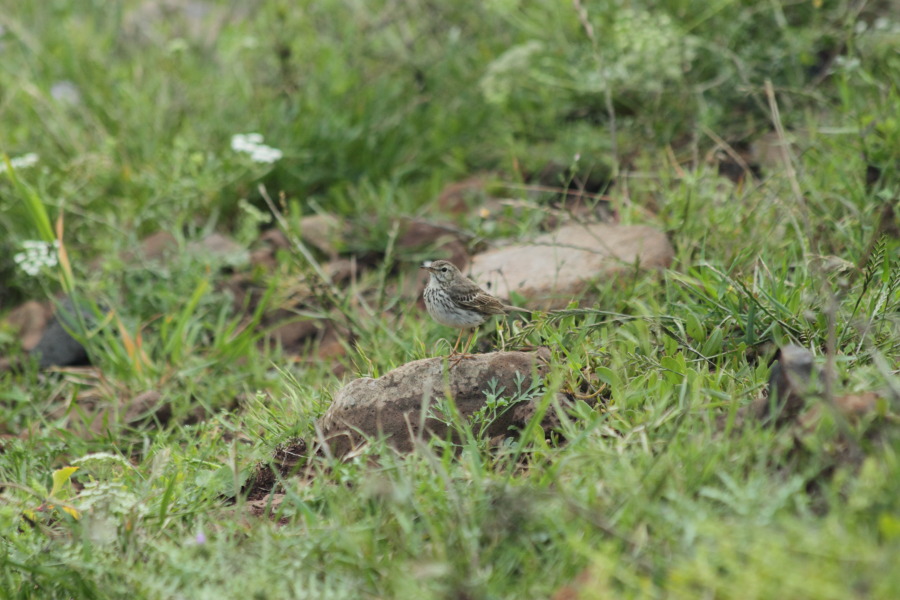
426 267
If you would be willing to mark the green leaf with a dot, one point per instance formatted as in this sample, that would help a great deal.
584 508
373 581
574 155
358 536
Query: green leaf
60 478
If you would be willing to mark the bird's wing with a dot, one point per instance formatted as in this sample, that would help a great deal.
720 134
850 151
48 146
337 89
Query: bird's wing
481 301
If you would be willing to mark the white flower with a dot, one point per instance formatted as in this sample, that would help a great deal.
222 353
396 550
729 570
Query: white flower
265 154
21 162
37 255
252 144
245 142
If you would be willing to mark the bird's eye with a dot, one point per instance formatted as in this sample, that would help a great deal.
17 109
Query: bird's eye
443 269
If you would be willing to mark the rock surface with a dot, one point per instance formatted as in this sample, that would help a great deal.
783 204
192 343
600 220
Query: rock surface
555 267
397 405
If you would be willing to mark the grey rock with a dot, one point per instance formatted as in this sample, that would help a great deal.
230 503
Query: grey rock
400 405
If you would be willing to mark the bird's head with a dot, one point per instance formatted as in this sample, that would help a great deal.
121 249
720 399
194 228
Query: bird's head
441 270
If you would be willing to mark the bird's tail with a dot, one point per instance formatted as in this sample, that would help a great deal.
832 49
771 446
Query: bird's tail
509 309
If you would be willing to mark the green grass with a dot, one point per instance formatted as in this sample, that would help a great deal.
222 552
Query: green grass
376 106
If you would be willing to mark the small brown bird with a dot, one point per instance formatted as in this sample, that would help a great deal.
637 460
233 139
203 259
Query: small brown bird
454 300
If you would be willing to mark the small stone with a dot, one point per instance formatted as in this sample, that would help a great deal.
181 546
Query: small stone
219 247
853 407
29 320
445 241
156 246
323 232
460 196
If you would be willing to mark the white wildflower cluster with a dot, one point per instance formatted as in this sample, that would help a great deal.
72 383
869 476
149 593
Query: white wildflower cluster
252 144
20 162
36 255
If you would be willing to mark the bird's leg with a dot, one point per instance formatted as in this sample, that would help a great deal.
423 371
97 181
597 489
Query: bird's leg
469 342
459 337
462 355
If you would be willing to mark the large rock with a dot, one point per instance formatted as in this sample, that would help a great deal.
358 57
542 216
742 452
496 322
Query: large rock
399 404
558 266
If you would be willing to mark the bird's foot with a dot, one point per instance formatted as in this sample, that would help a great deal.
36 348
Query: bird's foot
458 357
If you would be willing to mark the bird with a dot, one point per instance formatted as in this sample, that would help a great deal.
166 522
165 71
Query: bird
454 300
